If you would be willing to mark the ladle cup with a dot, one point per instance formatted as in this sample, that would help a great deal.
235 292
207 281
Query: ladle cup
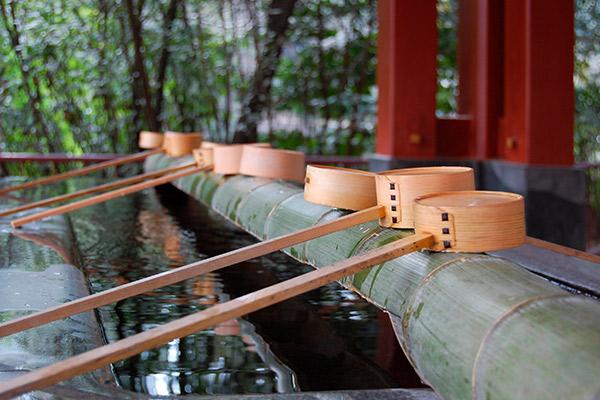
324 185
147 140
227 160
471 213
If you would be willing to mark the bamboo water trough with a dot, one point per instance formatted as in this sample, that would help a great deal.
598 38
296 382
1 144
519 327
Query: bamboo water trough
473 325
496 215
370 241
266 162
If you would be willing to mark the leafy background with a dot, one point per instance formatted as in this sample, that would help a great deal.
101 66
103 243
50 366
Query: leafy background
70 81
87 76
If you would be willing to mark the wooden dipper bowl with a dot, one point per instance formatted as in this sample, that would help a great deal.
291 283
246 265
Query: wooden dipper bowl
396 189
471 221
150 140
179 144
345 188
266 162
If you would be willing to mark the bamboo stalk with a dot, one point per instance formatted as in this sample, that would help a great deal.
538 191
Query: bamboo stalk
188 271
95 189
105 196
251 302
554 354
84 170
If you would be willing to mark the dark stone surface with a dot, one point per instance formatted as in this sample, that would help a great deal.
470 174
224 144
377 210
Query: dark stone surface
571 272
555 197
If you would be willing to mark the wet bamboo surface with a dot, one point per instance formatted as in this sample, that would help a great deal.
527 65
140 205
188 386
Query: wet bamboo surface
473 325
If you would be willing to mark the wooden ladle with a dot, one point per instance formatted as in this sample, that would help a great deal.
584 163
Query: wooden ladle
324 185
454 221
175 144
147 140
227 160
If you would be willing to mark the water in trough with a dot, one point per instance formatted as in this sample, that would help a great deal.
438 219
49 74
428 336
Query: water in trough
329 339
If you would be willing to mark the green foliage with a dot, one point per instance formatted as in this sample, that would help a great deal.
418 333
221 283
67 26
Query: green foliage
447 61
587 81
69 81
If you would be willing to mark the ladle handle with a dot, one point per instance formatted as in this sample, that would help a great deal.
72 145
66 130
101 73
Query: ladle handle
84 170
92 190
187 271
106 196
562 249
243 305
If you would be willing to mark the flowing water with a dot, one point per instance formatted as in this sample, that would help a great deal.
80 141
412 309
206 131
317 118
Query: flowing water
327 339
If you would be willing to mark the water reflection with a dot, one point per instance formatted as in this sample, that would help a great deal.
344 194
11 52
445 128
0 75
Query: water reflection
138 239
331 339
156 230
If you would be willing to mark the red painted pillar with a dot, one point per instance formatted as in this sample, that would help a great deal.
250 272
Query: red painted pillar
537 128
480 62
407 78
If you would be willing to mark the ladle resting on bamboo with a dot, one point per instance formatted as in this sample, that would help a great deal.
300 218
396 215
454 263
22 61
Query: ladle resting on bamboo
147 140
175 144
477 219
324 185
227 160
92 190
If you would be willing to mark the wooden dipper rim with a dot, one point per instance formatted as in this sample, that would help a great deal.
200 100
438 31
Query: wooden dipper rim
272 163
396 189
210 145
204 155
471 221
179 144
345 188
226 159
150 140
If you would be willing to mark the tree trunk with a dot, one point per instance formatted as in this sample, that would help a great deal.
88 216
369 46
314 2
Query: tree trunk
136 26
254 104
164 57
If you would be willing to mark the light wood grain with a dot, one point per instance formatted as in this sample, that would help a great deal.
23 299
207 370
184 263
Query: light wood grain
185 272
84 170
471 221
105 196
150 140
266 162
179 144
397 189
92 190
243 305
227 158
345 188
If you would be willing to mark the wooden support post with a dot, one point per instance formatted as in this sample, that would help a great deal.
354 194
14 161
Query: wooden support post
407 78
538 83
480 69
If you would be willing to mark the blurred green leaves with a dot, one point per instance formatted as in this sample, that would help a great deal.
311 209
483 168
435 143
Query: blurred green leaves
69 80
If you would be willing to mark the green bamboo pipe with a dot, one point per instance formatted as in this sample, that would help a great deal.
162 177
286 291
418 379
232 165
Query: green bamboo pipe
473 325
